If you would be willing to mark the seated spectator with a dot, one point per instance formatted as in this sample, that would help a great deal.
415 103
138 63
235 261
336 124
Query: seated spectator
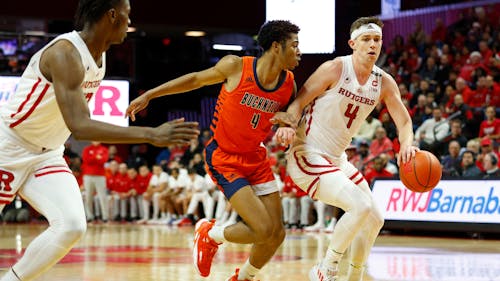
199 194
142 183
176 199
157 185
472 65
121 193
461 111
378 171
493 97
451 162
469 168
381 143
418 113
389 125
367 129
454 135
490 164
432 132
490 127
113 154
486 148
389 165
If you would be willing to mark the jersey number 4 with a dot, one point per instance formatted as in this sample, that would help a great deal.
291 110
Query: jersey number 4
255 120
351 114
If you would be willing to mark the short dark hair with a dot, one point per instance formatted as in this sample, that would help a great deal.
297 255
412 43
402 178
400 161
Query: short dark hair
275 31
90 11
365 20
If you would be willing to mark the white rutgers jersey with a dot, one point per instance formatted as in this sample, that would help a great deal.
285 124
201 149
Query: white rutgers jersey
333 118
33 113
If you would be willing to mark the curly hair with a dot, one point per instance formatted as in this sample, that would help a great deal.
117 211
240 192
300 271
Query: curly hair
90 11
275 31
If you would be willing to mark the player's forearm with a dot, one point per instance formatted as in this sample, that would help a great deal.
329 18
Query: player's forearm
179 85
92 130
406 136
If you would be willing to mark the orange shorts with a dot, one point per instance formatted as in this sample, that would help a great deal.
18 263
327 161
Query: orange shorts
231 171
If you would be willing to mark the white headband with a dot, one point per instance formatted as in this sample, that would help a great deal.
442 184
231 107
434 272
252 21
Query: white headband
370 27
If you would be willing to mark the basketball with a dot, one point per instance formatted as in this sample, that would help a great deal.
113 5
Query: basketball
422 173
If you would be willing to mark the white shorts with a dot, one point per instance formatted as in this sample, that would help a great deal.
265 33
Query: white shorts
19 160
306 166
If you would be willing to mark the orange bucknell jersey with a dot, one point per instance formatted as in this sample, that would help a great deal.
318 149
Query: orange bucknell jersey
241 118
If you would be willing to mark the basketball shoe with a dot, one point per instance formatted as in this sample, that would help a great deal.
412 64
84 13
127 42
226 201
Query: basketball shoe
235 276
322 273
204 247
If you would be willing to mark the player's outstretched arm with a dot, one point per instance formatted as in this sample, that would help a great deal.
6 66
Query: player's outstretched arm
188 82
61 64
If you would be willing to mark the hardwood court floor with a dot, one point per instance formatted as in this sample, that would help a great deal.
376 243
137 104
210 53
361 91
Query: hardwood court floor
128 252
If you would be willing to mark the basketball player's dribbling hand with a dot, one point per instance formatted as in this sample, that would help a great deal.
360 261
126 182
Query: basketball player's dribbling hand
406 154
175 132
136 105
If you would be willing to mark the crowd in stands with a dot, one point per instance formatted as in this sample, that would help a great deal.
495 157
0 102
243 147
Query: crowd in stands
449 81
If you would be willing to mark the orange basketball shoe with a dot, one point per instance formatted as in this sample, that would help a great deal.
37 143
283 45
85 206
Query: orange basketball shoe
204 247
235 276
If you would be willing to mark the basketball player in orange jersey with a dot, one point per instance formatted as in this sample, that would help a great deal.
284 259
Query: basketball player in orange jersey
253 90
51 103
331 106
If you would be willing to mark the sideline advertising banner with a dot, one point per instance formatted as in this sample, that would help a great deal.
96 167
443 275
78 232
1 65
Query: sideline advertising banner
455 201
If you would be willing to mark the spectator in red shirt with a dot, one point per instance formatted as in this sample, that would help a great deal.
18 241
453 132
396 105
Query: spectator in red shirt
113 154
121 192
381 144
474 62
94 157
490 127
438 34
378 170
477 98
494 92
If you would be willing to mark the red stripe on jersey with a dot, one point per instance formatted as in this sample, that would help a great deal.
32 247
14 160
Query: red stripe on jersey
38 100
310 119
27 98
55 166
4 202
6 195
52 172
355 175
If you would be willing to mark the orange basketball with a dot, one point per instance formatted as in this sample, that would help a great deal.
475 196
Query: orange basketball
421 173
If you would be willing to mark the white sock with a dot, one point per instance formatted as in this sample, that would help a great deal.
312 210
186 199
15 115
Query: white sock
217 233
332 259
248 271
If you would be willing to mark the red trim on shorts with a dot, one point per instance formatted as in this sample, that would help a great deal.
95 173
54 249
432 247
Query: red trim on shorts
360 180
313 173
52 172
27 98
38 100
54 166
311 186
314 165
355 175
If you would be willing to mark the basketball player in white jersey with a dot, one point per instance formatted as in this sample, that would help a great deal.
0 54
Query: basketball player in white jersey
51 103
331 106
